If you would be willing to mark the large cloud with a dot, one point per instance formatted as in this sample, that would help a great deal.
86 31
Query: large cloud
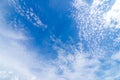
15 59
98 25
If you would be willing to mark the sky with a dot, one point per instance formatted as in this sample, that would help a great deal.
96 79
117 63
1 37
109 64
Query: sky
59 40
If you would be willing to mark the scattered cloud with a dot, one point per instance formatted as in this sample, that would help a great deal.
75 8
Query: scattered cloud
28 13
17 62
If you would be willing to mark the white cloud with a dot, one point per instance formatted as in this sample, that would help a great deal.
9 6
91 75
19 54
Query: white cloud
15 59
112 16
13 55
116 56
93 27
17 62
28 13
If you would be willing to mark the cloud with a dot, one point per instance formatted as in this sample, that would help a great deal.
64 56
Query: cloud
93 33
13 55
112 16
28 13
18 62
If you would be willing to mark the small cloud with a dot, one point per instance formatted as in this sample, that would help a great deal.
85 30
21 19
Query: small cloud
28 13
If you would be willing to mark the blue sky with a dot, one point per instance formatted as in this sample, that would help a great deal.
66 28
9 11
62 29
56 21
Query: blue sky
58 20
59 40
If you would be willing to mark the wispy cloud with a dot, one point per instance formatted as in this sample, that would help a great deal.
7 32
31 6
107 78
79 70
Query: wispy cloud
15 59
18 62
28 13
